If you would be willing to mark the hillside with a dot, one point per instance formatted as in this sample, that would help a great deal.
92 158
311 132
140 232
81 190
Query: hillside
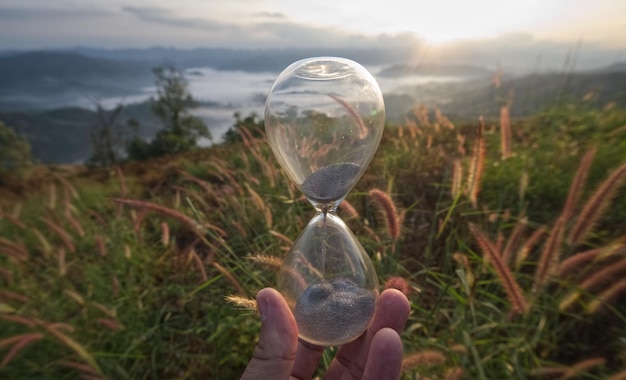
30 80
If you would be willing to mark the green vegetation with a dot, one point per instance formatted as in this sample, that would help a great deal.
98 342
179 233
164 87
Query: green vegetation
181 130
14 151
512 271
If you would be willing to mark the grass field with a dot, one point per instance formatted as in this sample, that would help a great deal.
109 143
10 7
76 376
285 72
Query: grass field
508 237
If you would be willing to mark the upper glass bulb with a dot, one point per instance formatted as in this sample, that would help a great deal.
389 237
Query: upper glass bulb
324 119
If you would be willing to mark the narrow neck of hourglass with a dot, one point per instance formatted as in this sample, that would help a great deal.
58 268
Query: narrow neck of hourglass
326 207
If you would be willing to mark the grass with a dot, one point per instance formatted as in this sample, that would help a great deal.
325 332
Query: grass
512 271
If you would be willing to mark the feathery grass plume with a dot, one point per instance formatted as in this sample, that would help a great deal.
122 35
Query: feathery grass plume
74 296
606 296
84 368
426 358
596 206
115 286
61 262
21 343
7 274
260 205
75 224
196 227
593 255
348 210
477 164
398 283
52 200
46 248
28 322
528 245
65 237
454 373
110 313
577 183
518 230
457 178
268 261
523 185
581 367
6 294
362 129
392 218
511 288
100 245
226 273
110 324
618 376
53 330
14 250
12 219
199 264
67 185
549 259
505 131
282 237
598 278
244 303
165 234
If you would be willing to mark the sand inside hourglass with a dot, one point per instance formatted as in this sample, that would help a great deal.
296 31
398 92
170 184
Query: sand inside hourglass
331 182
335 311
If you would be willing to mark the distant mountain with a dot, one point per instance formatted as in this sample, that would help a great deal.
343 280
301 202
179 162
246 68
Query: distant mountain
52 77
435 70
616 67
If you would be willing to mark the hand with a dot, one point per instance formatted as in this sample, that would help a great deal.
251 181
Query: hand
376 354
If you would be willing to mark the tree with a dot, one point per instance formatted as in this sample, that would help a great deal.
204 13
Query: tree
107 137
14 150
181 130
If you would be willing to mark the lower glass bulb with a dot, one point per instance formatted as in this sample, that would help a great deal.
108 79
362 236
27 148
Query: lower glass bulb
329 283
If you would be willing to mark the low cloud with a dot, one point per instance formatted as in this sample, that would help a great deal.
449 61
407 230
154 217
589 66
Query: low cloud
167 17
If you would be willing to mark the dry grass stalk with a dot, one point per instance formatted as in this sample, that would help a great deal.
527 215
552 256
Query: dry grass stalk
75 224
242 302
519 229
528 245
6 294
606 296
282 237
596 206
122 180
582 367
67 185
52 200
196 227
260 205
512 289
74 296
271 262
65 237
577 183
115 286
348 210
454 373
505 131
100 246
457 177
21 320
13 250
362 129
426 358
21 343
593 255
477 165
226 273
549 259
392 218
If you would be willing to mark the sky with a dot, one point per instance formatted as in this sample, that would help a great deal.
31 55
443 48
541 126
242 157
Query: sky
530 27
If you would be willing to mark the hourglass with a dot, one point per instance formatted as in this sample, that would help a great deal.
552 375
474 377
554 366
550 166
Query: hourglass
324 119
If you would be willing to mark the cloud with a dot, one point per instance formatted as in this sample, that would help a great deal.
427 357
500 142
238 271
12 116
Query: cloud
47 13
270 15
167 17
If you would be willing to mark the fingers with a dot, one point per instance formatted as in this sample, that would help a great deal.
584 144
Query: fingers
307 359
392 312
274 355
386 347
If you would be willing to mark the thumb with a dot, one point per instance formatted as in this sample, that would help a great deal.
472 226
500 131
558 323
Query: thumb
274 355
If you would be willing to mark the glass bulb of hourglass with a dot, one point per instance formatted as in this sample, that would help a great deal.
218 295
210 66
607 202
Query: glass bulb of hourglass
324 119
